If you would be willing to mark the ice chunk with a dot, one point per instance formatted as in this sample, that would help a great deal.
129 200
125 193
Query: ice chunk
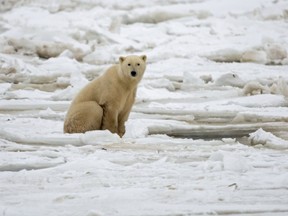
226 55
254 56
77 82
267 139
100 56
48 113
207 78
136 129
4 87
253 88
99 137
161 83
230 79
230 161
235 162
190 80
280 87
275 52
216 156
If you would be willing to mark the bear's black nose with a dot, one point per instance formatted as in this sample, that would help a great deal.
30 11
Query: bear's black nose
133 73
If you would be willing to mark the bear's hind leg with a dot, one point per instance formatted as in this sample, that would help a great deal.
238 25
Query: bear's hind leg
85 116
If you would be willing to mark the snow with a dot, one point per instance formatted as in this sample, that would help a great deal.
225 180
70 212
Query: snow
268 139
207 135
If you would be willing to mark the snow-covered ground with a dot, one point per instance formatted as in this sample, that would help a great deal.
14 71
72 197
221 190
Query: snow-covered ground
208 134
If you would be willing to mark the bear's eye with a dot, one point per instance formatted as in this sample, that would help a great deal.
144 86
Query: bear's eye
138 64
129 64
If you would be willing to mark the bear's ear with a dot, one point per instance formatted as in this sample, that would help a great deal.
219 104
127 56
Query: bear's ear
143 57
121 59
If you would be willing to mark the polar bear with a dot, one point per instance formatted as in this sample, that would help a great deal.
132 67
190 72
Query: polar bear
105 102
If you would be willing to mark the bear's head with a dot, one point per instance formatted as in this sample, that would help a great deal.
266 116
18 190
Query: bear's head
133 67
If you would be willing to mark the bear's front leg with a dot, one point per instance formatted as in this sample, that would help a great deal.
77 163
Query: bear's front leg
122 118
121 130
110 119
124 114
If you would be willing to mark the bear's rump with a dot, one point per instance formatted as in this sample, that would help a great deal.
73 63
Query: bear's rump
84 116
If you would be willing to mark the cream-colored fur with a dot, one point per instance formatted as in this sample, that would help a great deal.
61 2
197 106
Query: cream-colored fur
105 102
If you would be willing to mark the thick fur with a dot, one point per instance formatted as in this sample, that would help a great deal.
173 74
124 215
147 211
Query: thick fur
106 102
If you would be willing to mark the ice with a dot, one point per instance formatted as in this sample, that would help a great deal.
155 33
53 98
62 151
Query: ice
190 80
253 88
226 55
236 163
230 79
230 162
275 52
267 53
254 56
207 134
99 137
267 139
